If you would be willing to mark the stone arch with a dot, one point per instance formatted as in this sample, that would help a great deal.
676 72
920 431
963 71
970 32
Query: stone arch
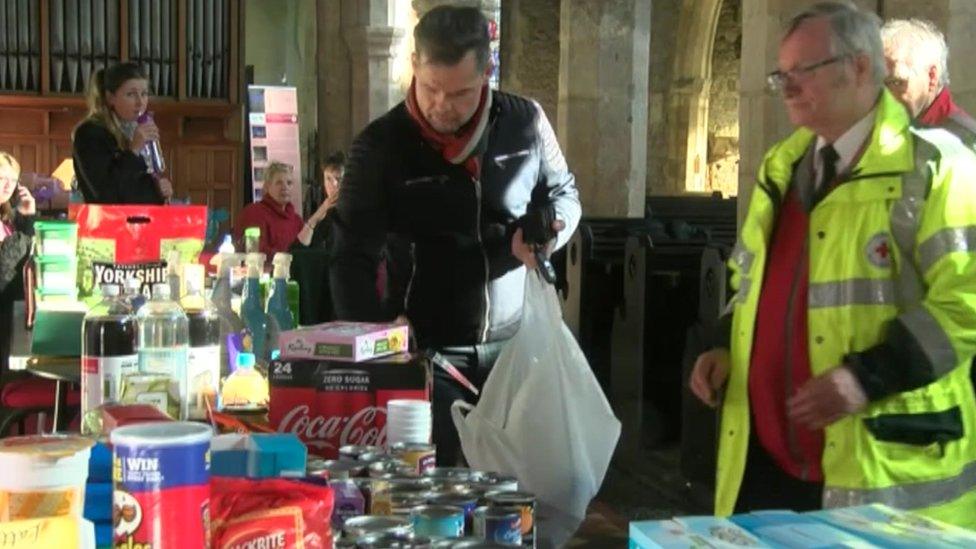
688 96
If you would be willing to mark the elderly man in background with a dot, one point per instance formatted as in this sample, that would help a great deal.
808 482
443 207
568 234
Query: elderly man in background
918 75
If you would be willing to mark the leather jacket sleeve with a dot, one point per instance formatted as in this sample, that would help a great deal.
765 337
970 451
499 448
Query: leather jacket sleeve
556 180
360 228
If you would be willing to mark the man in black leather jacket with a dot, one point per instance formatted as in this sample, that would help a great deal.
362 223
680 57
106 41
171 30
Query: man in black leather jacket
450 171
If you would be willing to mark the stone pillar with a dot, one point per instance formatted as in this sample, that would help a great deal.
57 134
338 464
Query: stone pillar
530 51
373 89
332 61
762 117
602 111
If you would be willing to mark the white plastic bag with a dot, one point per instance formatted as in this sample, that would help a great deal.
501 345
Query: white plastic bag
542 418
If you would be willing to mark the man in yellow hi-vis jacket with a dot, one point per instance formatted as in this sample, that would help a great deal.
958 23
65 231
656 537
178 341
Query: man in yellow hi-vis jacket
846 375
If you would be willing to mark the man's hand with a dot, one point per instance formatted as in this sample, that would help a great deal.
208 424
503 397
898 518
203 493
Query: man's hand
165 188
709 375
827 398
526 252
26 204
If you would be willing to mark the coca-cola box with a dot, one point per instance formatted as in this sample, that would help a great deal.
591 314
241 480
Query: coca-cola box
330 404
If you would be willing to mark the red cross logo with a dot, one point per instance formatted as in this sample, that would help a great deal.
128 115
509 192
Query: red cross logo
882 250
878 252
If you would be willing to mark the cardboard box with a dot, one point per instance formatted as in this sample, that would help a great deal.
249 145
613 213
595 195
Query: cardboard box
330 404
795 531
344 341
687 532
258 455
889 527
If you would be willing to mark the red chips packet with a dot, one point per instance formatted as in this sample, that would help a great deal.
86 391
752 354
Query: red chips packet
275 512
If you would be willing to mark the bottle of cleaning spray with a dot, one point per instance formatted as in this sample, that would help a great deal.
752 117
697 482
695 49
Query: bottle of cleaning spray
221 295
252 308
280 318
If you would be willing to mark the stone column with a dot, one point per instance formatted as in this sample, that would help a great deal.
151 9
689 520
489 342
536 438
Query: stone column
371 50
602 110
332 62
602 128
762 117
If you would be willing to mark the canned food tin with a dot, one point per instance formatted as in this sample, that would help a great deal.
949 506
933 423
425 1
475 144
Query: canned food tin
466 503
354 451
499 483
525 503
391 466
382 489
500 525
453 473
338 469
403 501
422 456
372 524
369 458
473 543
438 521
390 541
317 468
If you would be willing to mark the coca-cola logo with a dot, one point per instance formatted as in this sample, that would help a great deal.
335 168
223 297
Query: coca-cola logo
336 431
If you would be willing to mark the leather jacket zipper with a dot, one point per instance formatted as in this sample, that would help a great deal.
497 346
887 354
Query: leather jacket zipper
483 337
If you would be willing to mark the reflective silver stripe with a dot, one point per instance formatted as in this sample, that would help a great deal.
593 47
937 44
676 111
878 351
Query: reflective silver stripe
932 338
742 257
740 296
944 242
853 291
905 220
916 495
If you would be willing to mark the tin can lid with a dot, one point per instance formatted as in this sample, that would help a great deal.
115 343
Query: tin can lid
436 511
162 433
510 498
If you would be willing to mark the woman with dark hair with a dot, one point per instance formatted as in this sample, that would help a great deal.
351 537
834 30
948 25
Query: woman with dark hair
322 202
107 143
16 231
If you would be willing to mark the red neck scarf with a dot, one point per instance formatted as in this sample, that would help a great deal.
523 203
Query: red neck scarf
459 147
940 109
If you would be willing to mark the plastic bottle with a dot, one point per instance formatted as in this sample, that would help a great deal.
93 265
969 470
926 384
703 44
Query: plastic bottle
133 294
203 359
246 387
252 240
227 245
280 318
252 307
108 349
164 342
173 269
221 296
151 151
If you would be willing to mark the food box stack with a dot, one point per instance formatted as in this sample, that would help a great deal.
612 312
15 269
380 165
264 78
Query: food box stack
58 309
57 266
332 383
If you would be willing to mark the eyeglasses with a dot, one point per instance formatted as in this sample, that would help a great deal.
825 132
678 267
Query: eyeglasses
776 80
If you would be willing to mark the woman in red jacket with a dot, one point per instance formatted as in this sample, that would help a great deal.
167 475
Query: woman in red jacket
275 214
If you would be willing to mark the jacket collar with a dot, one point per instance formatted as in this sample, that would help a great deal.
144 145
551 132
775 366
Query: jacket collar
273 206
940 108
888 148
